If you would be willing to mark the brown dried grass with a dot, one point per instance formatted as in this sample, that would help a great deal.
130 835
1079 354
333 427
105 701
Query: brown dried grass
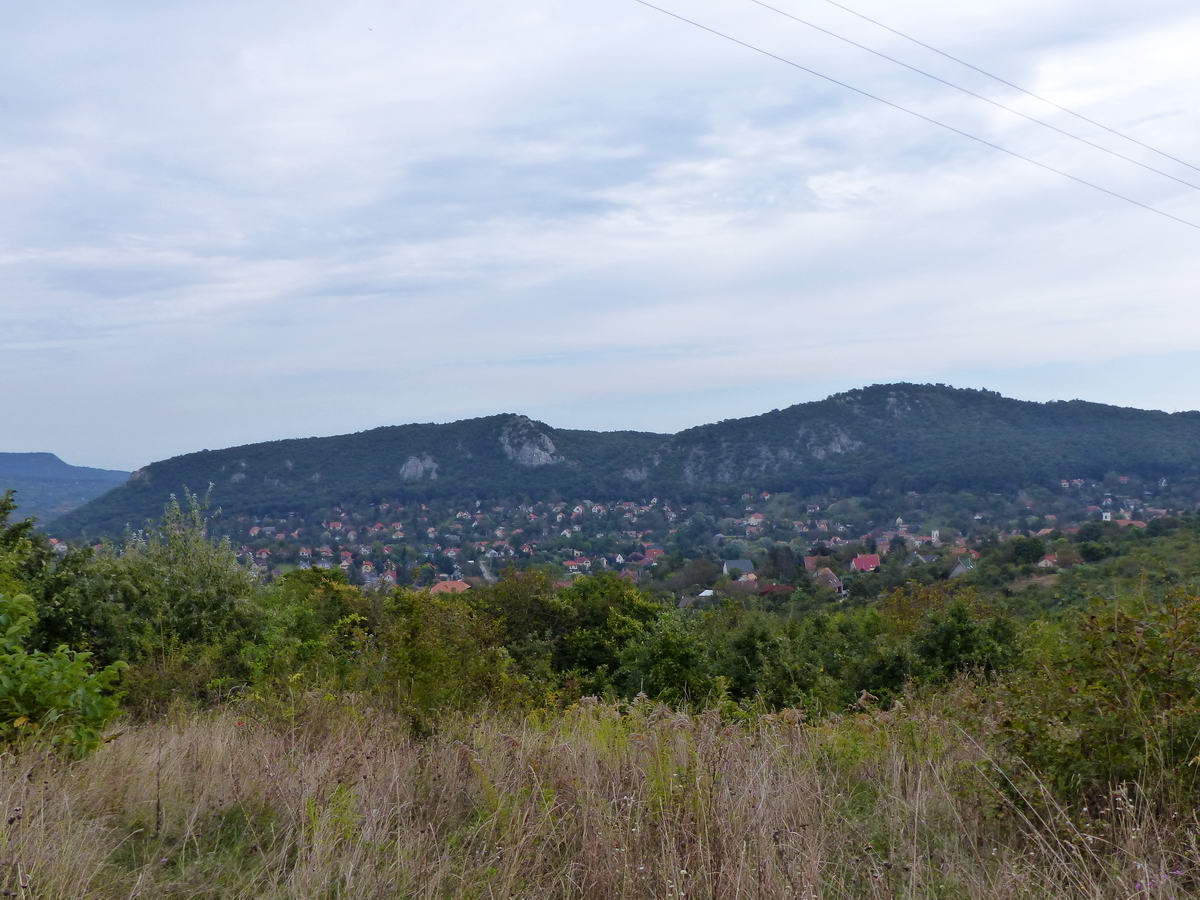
598 802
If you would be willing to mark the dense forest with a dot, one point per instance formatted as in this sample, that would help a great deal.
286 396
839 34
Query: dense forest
881 439
176 726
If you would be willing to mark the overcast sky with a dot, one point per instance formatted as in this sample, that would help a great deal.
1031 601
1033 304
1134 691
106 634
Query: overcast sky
224 222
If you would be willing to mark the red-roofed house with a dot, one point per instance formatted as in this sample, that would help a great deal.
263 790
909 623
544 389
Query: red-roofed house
450 587
866 562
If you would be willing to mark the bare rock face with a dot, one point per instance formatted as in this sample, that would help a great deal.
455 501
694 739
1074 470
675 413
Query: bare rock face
527 445
836 442
418 468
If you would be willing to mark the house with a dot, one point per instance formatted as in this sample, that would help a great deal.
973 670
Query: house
865 562
812 563
450 587
828 579
964 566
1049 561
744 566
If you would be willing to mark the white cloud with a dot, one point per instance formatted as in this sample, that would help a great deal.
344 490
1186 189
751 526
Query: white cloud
229 223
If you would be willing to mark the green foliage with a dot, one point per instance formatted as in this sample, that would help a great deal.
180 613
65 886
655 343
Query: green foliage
1088 699
59 697
1027 550
1111 695
577 633
312 622
670 662
953 640
437 652
174 604
24 554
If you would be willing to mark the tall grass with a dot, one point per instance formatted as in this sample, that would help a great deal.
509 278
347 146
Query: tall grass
639 801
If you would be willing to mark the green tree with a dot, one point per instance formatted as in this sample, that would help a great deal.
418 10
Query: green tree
1027 550
670 661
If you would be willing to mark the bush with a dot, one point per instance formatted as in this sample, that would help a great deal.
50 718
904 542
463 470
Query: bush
1111 696
56 698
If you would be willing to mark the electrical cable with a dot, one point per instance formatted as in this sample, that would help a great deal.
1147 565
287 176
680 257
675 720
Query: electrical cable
922 116
977 96
1015 87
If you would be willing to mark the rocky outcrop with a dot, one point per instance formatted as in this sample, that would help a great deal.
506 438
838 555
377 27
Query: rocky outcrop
525 443
419 468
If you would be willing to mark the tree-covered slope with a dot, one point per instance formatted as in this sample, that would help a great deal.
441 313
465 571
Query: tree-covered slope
48 487
894 437
926 437
503 455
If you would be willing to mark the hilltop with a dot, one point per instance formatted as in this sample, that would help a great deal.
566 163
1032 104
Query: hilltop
47 487
897 437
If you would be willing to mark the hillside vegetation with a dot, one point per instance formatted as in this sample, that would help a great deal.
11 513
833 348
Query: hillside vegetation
47 487
883 438
176 727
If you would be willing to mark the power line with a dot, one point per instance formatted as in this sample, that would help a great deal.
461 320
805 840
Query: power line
922 116
971 93
1015 87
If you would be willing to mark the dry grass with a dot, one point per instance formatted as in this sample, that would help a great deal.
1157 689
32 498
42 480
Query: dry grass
594 803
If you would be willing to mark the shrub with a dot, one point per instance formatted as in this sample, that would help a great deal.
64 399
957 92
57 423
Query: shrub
1112 695
56 698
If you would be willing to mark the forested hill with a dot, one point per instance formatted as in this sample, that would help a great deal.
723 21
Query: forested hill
895 437
47 487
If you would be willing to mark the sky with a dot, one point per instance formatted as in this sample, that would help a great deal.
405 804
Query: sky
226 222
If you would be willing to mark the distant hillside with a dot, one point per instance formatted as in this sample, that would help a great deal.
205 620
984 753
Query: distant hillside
47 487
885 437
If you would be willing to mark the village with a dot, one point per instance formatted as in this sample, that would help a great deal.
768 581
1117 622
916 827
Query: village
760 543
